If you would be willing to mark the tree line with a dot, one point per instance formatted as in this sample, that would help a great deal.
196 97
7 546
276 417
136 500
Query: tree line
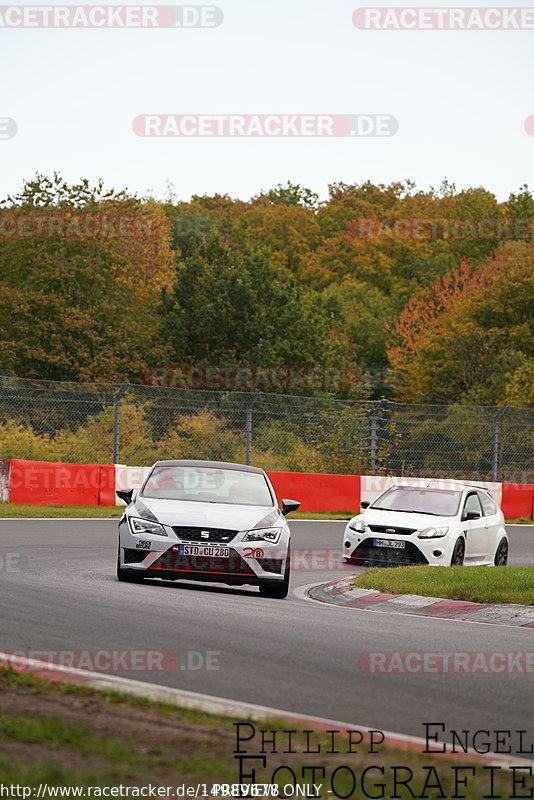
422 296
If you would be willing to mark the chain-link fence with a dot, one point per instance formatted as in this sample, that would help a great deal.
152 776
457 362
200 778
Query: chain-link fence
136 425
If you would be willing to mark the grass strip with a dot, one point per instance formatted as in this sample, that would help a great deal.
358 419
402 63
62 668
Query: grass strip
476 584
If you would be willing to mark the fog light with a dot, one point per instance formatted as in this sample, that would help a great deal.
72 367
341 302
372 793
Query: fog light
347 544
437 553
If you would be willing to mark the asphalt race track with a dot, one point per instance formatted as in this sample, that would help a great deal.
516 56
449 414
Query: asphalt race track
293 654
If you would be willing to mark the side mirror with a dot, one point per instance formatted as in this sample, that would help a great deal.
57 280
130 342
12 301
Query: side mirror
125 494
471 515
290 505
365 504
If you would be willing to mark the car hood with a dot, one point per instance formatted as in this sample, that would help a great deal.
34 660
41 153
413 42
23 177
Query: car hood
209 515
404 519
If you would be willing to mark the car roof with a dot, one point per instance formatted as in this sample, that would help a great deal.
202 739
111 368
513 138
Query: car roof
467 486
209 465
453 486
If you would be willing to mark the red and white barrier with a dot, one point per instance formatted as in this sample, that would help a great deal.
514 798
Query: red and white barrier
56 483
518 500
317 491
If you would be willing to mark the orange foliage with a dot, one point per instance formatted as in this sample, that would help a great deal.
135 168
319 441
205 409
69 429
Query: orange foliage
423 314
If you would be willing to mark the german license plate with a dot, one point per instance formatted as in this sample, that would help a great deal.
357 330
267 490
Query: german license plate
395 543
205 550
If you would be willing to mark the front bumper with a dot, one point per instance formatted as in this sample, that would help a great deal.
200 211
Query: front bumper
156 556
360 549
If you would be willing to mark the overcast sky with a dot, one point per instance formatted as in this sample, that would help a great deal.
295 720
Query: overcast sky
461 99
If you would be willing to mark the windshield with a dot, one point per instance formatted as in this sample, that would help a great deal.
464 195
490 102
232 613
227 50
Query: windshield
439 502
205 485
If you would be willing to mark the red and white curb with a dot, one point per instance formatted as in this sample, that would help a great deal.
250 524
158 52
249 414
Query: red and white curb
237 709
344 593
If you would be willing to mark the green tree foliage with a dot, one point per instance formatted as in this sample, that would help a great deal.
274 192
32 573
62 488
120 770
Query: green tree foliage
292 194
81 269
231 307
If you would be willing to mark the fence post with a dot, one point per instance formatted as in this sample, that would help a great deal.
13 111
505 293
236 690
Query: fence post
248 427
117 421
495 439
373 444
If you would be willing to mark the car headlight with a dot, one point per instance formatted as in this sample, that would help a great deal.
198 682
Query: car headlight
432 533
138 525
263 534
357 525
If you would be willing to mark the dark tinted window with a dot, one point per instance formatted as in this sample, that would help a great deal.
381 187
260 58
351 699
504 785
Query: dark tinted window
472 503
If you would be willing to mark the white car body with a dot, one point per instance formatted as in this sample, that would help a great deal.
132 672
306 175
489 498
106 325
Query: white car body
207 521
379 537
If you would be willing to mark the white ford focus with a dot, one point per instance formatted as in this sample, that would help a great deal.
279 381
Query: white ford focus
209 521
426 525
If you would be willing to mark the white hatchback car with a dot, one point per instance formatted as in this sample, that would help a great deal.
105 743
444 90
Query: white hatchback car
426 525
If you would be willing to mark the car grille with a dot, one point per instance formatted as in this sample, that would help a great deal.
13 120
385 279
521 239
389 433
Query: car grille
214 534
172 560
367 555
392 529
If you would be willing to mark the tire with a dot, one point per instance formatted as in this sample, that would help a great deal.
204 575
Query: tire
458 554
278 591
125 575
501 554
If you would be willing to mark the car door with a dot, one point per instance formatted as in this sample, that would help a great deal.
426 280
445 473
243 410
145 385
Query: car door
492 519
476 532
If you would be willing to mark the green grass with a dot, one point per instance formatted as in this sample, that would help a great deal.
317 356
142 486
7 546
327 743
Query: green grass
477 584
341 515
54 730
29 511
68 735
18 510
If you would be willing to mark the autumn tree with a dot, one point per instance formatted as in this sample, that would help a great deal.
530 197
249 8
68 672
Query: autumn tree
81 269
469 339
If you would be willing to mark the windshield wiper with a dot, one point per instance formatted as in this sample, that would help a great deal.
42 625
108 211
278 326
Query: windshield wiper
406 511
431 513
